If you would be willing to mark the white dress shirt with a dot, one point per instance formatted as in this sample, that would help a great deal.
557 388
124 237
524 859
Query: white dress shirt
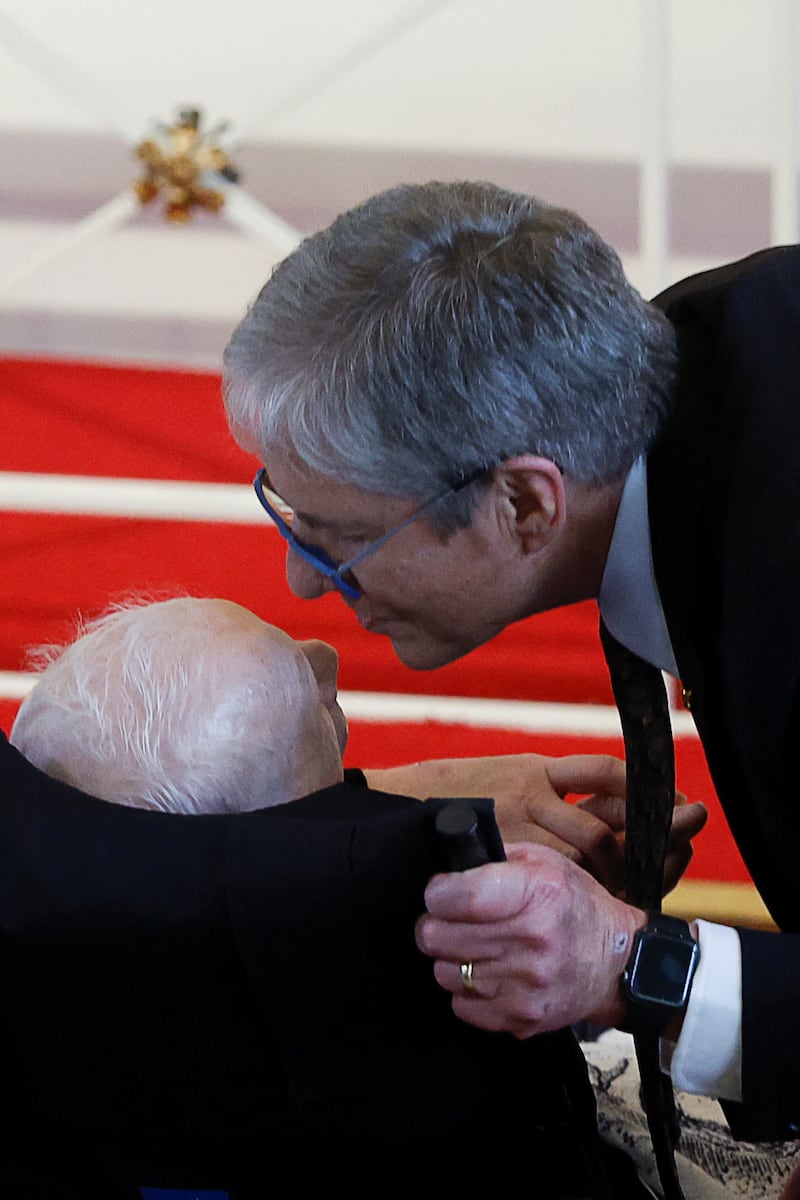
707 1057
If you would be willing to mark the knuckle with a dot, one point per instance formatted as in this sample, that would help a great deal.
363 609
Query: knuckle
472 908
604 840
426 934
614 770
528 1009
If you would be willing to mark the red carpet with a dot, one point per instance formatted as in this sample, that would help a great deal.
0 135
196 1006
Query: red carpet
76 418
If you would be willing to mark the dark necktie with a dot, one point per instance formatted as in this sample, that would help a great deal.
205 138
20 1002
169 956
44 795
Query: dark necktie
650 785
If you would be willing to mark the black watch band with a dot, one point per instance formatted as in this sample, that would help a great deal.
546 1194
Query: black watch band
658 977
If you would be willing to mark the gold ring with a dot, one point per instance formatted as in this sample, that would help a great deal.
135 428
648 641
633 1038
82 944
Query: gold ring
466 977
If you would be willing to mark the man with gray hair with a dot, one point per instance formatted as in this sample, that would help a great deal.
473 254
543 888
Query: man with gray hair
187 705
467 416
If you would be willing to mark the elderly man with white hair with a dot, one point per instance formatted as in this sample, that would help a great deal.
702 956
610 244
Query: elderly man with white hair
187 705
233 999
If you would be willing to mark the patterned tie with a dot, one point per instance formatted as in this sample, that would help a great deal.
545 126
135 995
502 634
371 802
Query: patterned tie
650 773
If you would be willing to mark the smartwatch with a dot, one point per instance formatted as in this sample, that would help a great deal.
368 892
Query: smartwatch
658 977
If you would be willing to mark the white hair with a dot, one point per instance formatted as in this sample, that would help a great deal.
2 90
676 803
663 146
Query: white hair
165 706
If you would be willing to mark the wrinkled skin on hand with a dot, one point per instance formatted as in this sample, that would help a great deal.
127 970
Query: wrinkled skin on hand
548 943
530 793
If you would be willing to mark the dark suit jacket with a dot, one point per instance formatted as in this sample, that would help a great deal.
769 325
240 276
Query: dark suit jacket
724 495
223 1001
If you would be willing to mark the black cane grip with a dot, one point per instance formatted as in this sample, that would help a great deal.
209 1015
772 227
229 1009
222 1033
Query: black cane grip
462 842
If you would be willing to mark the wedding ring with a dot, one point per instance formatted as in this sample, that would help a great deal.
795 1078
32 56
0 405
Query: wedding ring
466 977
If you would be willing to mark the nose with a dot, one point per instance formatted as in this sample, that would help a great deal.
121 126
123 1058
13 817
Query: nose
303 579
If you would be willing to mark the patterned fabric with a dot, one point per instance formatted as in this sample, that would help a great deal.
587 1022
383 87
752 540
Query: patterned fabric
711 1165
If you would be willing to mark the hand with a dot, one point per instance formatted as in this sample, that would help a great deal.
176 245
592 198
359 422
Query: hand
529 791
547 942
687 822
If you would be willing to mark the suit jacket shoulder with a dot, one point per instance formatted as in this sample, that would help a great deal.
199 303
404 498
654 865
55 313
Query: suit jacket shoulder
209 1001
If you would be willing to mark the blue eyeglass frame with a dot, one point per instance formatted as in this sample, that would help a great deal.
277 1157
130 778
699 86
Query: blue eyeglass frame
319 559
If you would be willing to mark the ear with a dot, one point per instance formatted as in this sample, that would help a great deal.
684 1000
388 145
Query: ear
532 500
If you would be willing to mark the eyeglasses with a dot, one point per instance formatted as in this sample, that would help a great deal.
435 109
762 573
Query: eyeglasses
283 515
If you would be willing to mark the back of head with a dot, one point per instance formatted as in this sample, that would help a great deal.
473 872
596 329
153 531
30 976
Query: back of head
441 328
185 706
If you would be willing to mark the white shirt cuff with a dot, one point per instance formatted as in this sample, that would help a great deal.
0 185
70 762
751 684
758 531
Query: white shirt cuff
707 1058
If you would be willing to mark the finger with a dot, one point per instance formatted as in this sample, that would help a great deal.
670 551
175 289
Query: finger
532 829
456 943
608 809
687 821
611 809
583 827
493 892
582 774
451 977
485 1003
582 823
486 1014
675 865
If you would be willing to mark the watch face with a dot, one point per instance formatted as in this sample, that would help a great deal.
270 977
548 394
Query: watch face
662 970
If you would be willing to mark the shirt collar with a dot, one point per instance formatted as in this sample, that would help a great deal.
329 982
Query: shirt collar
629 601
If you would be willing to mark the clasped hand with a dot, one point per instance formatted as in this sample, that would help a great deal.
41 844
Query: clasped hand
548 932
546 941
530 790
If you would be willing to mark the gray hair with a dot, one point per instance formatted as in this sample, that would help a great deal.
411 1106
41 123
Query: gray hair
441 328
139 711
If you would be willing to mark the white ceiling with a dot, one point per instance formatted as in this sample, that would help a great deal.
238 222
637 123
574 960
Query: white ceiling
512 76
330 99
